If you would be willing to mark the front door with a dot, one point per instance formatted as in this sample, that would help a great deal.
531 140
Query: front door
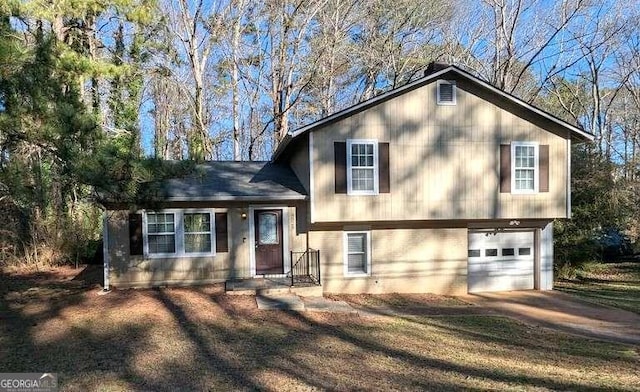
268 231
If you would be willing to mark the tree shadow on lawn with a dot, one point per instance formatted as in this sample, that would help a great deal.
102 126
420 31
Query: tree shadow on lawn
195 339
36 337
537 341
423 361
279 351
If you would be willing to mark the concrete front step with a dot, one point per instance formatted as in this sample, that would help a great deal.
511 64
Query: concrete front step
302 304
279 302
305 291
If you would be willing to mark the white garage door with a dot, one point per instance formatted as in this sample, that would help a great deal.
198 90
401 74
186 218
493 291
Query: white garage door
500 261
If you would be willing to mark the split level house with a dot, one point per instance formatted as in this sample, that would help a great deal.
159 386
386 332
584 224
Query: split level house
445 185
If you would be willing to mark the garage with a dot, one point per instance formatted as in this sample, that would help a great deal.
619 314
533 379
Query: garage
500 261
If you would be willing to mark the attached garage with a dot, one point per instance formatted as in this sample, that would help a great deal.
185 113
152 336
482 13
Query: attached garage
500 261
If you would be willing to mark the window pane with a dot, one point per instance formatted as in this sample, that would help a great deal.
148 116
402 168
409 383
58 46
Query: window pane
524 251
162 243
160 223
474 252
362 179
490 252
357 256
525 179
197 243
197 222
357 263
356 243
508 251
525 157
267 228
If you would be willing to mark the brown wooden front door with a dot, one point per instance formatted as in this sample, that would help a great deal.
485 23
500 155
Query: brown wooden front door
268 231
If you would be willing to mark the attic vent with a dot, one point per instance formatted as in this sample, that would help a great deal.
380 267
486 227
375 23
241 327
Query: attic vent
446 92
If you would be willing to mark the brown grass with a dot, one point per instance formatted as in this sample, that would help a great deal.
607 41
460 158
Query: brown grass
200 339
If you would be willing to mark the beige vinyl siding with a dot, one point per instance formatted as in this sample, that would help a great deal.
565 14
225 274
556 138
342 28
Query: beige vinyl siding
444 162
412 260
127 270
299 162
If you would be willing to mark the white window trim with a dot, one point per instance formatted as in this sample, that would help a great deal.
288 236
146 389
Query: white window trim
376 166
455 92
178 227
345 257
536 168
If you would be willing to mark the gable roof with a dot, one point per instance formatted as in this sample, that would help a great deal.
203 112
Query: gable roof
575 132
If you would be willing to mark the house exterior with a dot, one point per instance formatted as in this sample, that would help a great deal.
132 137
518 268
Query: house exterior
446 185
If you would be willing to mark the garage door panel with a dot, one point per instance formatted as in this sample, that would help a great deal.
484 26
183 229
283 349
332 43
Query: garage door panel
500 261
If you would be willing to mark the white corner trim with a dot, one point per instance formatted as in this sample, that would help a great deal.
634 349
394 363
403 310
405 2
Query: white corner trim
569 177
286 255
311 180
536 170
105 250
345 254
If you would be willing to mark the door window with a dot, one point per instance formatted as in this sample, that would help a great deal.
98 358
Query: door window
268 228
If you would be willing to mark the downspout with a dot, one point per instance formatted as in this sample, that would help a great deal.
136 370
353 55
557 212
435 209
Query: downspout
569 176
105 251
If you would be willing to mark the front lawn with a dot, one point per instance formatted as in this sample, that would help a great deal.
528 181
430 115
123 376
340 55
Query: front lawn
611 284
200 339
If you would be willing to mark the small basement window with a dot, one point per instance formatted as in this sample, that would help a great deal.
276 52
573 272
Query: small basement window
446 92
357 253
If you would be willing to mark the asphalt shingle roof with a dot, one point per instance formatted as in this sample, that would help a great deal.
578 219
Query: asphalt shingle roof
228 180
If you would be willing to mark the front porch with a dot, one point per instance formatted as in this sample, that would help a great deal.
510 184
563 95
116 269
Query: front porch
270 285
303 279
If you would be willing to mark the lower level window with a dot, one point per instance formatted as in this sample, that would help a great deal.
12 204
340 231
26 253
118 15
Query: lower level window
161 233
197 232
178 233
357 259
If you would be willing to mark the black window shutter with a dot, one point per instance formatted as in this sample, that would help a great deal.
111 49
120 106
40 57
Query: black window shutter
543 166
384 183
222 241
340 153
505 168
135 234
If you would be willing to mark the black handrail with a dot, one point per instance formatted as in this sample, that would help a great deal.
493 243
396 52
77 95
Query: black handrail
305 267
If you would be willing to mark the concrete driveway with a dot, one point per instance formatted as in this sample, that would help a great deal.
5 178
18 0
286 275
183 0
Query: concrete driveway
560 311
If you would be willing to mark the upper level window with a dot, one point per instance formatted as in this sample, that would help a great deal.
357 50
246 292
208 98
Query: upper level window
362 167
172 233
524 166
446 92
